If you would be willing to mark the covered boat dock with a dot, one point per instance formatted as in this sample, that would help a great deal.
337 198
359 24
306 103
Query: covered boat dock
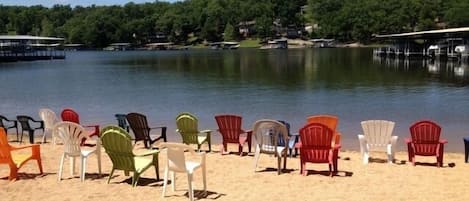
28 48
443 43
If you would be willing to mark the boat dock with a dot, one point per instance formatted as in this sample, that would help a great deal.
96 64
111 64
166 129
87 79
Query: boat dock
29 48
435 44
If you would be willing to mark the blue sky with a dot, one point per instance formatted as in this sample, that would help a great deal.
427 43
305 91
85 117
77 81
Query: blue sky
73 3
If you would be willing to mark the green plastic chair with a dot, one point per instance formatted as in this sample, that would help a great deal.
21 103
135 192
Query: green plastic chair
187 126
118 145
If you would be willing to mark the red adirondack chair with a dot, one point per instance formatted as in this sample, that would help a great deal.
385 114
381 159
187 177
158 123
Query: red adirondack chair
316 147
69 114
425 141
229 127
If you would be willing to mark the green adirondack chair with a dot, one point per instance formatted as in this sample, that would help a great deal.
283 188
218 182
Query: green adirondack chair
118 145
187 126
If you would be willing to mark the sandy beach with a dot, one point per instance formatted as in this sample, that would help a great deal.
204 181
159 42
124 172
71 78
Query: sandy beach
231 177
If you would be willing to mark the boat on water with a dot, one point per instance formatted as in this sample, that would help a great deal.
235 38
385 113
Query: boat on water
225 45
118 47
276 44
323 43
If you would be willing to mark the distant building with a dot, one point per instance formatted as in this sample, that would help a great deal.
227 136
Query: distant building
247 28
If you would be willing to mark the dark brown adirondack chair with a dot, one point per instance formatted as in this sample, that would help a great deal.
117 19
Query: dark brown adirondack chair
139 125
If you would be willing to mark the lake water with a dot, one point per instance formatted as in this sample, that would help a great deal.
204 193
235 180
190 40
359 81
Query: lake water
279 84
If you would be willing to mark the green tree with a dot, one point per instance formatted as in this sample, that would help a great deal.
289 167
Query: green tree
229 33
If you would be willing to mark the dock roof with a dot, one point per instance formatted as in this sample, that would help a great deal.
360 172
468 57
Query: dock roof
427 34
27 37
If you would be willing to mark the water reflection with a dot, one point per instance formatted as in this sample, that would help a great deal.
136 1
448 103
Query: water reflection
279 84
445 71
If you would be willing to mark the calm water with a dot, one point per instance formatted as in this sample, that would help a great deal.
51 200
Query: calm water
283 84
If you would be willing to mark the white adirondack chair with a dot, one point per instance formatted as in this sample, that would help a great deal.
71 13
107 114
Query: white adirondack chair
71 135
50 119
377 135
267 133
176 162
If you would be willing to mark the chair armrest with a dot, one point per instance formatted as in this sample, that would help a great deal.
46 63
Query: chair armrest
443 141
298 145
92 126
24 147
336 146
148 153
205 131
361 137
158 127
248 133
407 140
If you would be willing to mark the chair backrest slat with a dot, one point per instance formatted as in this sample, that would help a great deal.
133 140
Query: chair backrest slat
138 123
377 132
267 133
229 126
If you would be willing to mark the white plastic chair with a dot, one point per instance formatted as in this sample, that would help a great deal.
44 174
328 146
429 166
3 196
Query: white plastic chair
267 133
50 119
72 134
377 135
176 162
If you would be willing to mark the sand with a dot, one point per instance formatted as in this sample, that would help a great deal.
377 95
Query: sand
231 177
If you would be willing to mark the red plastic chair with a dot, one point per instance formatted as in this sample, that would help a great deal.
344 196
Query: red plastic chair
425 141
330 121
316 147
229 127
69 114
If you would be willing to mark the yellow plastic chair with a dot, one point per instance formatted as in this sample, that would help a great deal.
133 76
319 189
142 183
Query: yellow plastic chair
187 125
14 160
118 145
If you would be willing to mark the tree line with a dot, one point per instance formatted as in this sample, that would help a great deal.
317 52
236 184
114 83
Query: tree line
193 21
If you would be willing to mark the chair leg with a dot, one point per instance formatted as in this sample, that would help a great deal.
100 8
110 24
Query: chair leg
285 159
98 155
173 181
165 182
204 176
135 179
279 162
31 137
191 190
466 150
61 167
157 167
240 150
330 170
13 172
224 148
256 157
303 168
110 175
390 154
83 168
39 164
72 165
